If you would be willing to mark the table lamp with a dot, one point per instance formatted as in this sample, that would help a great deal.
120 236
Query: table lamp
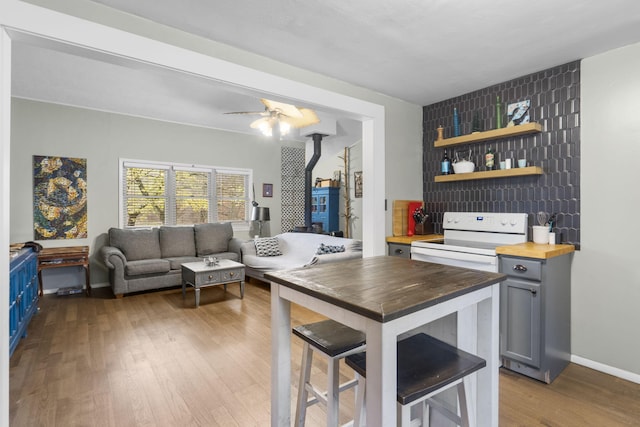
261 215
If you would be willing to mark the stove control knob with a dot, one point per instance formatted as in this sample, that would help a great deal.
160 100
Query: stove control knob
503 221
514 222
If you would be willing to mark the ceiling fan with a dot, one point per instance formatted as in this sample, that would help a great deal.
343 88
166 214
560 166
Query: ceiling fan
285 116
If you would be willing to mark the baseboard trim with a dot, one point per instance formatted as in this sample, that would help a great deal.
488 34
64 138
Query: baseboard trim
616 372
100 285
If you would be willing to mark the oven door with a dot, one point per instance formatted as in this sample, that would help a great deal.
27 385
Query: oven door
456 259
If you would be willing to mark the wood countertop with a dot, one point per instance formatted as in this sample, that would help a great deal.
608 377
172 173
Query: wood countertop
384 288
535 250
407 240
526 250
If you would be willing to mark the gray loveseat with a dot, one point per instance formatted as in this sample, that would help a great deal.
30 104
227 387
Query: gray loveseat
139 260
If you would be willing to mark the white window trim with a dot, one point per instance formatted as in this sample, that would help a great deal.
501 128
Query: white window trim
238 226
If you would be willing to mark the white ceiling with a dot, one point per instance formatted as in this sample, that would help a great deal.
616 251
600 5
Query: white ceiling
416 50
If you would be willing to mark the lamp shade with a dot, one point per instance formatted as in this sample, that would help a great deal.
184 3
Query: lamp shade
260 214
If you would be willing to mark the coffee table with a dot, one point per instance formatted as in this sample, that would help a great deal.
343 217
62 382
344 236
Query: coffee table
200 275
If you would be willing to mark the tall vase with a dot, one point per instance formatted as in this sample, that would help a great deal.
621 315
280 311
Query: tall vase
456 123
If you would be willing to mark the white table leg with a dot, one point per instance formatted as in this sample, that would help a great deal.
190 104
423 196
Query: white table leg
280 359
489 350
467 334
381 383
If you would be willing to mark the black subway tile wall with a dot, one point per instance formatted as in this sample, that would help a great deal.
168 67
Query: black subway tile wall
555 105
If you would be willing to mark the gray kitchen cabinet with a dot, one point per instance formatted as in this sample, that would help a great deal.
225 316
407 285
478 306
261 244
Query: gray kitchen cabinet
399 250
535 314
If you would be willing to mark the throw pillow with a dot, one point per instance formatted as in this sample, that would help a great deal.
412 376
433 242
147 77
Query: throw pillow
329 249
268 246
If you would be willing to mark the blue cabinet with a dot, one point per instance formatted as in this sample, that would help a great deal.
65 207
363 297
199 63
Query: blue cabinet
325 208
23 294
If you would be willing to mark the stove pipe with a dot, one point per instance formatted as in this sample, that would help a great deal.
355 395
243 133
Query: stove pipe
308 184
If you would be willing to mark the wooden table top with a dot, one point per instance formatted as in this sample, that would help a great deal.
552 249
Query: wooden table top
407 240
64 252
384 288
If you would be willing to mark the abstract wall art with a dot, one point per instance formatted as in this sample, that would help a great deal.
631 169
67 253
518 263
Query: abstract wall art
59 198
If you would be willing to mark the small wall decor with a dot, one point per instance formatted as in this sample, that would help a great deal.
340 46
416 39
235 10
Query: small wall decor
59 198
357 184
267 190
518 113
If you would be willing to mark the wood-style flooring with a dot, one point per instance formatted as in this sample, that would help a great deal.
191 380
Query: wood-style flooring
153 359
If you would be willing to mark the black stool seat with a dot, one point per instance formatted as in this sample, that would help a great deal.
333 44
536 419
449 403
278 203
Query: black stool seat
425 365
330 337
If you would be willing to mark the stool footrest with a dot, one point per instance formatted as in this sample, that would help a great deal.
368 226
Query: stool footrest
437 405
321 396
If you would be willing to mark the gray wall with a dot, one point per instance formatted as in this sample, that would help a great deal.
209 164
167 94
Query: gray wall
104 138
606 280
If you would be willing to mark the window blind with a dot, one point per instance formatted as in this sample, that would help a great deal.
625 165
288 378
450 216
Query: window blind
154 194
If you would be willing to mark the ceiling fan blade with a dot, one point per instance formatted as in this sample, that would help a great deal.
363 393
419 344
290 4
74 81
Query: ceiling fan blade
263 113
308 118
286 109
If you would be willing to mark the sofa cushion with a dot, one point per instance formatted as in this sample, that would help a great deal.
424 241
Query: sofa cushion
268 246
212 238
147 266
136 244
177 242
176 262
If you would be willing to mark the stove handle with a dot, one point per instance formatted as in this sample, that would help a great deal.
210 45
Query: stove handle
519 267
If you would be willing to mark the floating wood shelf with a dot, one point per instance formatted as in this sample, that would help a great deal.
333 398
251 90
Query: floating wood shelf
525 129
504 173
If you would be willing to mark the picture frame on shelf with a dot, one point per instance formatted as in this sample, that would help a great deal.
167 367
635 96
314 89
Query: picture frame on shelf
518 113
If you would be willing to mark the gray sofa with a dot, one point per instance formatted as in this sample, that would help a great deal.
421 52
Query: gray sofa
143 259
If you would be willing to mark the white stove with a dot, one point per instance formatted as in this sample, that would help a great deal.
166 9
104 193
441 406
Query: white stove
471 238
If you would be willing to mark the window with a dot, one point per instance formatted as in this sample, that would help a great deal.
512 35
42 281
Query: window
154 194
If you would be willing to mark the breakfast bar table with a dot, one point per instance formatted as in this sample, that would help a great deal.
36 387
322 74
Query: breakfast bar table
385 297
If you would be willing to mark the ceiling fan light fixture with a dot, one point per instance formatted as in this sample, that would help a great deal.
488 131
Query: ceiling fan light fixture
285 127
284 116
265 128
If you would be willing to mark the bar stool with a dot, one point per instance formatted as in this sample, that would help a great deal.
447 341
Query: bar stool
426 367
335 341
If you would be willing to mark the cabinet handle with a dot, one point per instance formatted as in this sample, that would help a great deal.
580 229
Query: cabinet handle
519 267
399 251
210 277
533 291
231 274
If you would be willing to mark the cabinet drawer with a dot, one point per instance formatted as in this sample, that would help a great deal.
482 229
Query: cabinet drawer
396 249
229 275
206 277
521 267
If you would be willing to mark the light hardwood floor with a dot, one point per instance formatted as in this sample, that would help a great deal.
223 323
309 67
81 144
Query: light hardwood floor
153 359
